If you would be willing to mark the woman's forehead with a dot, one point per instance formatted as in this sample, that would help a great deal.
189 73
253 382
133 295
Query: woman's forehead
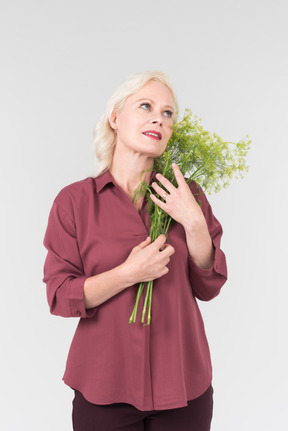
154 91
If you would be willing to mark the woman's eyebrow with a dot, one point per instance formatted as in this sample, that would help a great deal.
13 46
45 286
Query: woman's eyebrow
150 100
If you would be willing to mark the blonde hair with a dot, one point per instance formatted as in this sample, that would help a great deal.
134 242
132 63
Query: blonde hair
104 136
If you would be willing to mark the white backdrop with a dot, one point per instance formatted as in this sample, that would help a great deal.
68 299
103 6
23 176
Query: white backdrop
60 61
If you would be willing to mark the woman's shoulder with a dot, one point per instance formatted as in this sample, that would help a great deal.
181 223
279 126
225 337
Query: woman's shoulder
75 193
77 186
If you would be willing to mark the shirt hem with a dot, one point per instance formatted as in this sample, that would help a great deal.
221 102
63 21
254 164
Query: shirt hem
115 400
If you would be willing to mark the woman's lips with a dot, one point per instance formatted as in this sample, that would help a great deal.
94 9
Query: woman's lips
153 134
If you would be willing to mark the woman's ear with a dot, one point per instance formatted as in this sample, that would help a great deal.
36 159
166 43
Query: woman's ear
113 120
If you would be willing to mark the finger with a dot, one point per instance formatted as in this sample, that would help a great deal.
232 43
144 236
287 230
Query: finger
166 245
160 241
158 202
162 193
144 244
178 174
168 251
165 271
166 261
166 183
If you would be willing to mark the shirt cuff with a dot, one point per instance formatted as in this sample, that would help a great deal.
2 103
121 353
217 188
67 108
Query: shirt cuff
206 283
219 265
76 299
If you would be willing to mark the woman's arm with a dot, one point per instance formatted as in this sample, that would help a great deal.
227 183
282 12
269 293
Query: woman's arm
200 245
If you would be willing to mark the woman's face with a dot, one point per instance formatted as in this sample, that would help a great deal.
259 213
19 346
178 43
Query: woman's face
144 124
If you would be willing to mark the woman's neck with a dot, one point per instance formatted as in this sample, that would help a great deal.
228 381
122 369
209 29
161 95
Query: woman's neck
127 173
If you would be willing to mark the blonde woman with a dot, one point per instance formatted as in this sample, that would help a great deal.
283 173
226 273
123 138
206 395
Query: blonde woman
129 376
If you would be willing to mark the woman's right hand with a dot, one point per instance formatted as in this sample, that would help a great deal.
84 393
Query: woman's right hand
148 260
145 262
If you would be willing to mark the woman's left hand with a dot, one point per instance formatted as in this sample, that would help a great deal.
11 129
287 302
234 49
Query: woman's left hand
179 203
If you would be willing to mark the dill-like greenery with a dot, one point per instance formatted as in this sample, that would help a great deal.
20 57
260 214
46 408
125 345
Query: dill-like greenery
202 157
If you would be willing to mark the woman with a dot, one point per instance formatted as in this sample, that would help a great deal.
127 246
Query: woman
129 376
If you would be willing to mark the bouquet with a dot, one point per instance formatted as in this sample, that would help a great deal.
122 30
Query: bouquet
202 157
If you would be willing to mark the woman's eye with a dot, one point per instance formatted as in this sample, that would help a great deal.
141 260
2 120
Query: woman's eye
168 114
146 106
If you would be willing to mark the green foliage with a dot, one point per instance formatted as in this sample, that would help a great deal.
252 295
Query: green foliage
202 157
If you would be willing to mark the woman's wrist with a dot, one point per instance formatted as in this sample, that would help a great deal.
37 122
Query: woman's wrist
101 287
200 246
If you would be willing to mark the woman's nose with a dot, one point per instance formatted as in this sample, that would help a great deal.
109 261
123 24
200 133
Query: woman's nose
156 119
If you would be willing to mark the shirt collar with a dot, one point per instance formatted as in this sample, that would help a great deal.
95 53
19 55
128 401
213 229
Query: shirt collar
106 178
102 180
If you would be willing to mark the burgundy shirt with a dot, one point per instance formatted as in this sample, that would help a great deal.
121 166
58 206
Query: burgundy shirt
92 228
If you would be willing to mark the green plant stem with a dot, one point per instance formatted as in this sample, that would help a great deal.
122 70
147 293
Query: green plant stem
134 312
150 304
147 301
167 225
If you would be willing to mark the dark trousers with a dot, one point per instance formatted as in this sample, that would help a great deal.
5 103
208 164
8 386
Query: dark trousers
125 417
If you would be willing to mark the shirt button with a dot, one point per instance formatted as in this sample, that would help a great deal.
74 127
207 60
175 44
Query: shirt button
78 313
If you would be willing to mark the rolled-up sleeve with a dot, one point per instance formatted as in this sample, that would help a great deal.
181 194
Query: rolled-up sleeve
63 269
207 283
